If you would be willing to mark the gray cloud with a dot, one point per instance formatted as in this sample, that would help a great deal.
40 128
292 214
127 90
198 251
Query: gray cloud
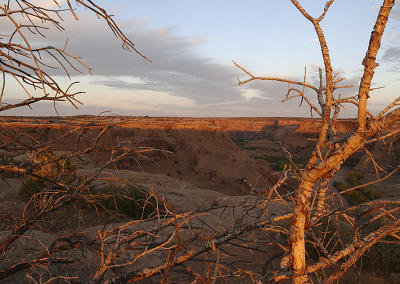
391 54
391 57
177 69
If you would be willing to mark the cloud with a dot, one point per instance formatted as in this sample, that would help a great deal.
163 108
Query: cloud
391 54
181 80
178 68
250 94
391 57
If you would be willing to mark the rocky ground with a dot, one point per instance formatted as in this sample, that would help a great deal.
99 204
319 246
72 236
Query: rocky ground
193 164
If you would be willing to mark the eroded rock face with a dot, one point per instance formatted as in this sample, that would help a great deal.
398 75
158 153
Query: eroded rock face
211 153
192 150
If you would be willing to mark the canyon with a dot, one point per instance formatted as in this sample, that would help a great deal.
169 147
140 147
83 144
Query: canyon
228 155
209 152
190 163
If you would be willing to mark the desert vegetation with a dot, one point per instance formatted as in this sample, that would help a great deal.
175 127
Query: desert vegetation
81 212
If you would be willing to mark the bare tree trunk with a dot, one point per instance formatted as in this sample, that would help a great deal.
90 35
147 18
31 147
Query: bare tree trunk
299 221
309 178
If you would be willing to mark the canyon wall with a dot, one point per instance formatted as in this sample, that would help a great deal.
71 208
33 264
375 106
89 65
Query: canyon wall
212 153
193 151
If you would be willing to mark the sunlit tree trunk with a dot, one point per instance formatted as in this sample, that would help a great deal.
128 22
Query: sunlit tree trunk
317 170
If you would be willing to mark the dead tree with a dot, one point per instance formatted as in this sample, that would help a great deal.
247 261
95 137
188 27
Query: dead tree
332 151
31 67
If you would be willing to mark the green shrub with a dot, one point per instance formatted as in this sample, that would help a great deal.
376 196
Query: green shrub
353 179
383 258
329 234
62 171
241 142
351 162
337 184
250 148
29 188
371 194
340 186
359 195
131 201
68 172
277 163
355 197
282 165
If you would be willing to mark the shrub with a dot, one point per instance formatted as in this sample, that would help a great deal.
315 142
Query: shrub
250 148
359 195
383 258
330 236
351 162
355 197
68 171
241 142
29 188
131 201
353 179
62 171
277 163
340 185
371 194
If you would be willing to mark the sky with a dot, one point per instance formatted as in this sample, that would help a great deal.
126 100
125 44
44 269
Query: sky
192 45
